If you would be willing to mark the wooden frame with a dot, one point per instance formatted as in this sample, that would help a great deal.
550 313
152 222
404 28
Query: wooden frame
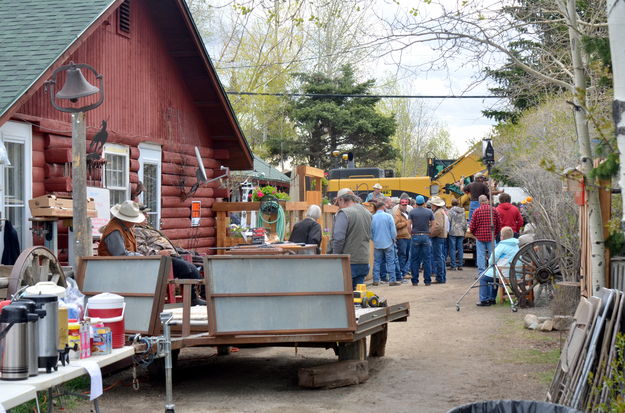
294 213
158 295
218 299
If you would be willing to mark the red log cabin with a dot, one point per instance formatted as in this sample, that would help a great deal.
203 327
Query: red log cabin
162 98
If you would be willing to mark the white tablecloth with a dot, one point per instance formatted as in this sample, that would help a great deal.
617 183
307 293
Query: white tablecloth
14 393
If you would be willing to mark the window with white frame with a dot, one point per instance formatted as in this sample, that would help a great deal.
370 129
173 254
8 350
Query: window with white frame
16 180
150 176
116 172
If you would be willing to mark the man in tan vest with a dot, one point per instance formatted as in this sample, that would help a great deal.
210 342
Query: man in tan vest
404 229
439 239
351 234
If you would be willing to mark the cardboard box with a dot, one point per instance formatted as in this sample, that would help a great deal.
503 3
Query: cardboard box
50 201
52 206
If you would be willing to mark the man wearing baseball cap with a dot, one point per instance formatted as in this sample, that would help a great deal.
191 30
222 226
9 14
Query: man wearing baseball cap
376 194
403 226
421 248
351 234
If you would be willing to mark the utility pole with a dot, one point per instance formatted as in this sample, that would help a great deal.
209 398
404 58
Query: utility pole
81 225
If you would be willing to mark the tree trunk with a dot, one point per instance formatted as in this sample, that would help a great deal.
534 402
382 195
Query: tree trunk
597 252
616 28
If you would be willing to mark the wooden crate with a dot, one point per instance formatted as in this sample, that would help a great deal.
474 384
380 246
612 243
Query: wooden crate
53 206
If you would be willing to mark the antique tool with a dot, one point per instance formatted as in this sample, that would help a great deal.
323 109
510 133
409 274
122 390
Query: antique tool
542 264
34 265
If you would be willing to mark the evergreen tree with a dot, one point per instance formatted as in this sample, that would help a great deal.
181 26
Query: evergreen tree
327 123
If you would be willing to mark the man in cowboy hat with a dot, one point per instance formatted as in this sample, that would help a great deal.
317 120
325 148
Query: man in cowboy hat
119 239
376 194
439 239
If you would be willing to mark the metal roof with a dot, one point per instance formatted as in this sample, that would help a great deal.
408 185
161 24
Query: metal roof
264 172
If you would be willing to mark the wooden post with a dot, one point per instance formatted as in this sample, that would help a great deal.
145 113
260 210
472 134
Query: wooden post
377 345
81 227
356 350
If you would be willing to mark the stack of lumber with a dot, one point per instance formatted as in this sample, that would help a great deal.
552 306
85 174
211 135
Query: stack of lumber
589 359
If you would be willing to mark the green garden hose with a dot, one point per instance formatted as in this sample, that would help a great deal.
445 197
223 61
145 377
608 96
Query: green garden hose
279 221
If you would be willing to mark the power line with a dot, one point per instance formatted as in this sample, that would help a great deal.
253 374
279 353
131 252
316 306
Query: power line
350 95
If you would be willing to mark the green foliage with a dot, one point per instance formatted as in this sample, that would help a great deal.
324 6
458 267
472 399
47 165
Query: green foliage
517 84
615 383
327 123
499 174
608 168
67 402
260 192
598 50
616 243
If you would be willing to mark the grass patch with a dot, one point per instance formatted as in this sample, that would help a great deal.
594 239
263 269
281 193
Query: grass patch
535 356
77 385
545 377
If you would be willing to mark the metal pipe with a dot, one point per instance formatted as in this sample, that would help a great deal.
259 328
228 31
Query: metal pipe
169 397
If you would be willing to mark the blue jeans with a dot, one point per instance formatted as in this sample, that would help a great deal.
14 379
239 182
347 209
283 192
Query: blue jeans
484 250
473 205
403 254
488 289
456 251
388 255
359 272
438 259
398 276
421 253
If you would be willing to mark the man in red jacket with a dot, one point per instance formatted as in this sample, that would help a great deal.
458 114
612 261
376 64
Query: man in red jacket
480 227
509 215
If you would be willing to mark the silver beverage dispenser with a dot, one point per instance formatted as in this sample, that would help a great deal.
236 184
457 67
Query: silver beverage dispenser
34 315
48 330
13 343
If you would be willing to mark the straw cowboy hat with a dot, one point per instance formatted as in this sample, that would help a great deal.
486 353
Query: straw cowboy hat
438 201
128 211
377 186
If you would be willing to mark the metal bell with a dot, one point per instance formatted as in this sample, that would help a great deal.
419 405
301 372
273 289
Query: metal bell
76 86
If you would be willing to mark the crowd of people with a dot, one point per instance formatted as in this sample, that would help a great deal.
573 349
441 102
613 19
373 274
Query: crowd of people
411 237
416 241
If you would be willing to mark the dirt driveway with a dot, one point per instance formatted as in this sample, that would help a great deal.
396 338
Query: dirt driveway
438 359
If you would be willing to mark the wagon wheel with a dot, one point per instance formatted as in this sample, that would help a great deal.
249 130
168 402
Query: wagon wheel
542 263
34 265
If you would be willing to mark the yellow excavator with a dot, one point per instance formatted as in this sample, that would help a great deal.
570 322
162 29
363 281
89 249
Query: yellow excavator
443 174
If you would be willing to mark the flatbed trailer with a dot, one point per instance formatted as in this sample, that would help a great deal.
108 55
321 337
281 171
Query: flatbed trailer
371 322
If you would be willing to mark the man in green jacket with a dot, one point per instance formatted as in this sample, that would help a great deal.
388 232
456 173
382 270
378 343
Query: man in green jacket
351 234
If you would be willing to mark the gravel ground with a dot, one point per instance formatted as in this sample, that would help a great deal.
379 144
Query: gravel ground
440 358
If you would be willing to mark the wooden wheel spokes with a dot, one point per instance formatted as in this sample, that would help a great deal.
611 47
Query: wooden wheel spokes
541 263
34 265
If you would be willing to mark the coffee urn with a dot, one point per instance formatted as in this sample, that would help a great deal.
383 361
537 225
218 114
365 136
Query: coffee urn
48 330
13 343
34 314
